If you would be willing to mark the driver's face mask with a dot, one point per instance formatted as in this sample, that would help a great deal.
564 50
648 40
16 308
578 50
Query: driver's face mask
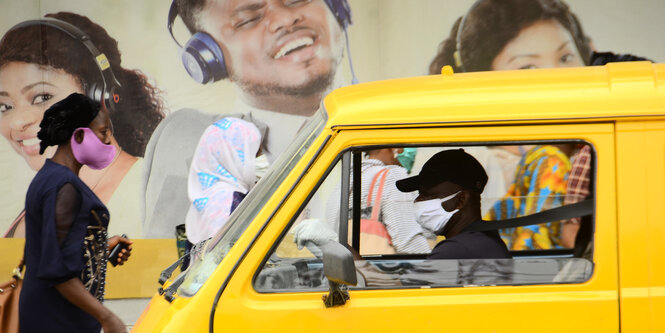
431 215
261 166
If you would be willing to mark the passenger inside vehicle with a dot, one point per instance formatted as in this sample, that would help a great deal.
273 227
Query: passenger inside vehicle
539 184
449 187
388 220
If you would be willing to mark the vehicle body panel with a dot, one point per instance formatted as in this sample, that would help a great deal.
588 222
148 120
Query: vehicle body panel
619 109
641 161
596 301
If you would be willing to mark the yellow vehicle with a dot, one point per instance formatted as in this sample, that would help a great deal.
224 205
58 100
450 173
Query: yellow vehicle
252 277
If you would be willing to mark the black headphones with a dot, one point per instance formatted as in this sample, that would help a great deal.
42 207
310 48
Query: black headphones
203 58
105 92
457 55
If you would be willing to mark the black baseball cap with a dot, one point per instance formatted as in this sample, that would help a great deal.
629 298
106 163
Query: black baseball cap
453 165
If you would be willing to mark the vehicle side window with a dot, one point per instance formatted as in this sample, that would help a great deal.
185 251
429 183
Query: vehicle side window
398 236
293 265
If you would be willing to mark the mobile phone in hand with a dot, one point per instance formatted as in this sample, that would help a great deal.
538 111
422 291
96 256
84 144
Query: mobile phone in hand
113 256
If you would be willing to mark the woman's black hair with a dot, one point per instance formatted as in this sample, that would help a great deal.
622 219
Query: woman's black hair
140 109
491 24
62 118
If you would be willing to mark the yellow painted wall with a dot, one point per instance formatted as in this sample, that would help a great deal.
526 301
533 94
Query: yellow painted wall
136 279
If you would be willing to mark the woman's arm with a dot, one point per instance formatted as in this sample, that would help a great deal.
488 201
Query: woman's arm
74 291
67 205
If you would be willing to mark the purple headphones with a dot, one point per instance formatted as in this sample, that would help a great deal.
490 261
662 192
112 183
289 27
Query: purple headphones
203 58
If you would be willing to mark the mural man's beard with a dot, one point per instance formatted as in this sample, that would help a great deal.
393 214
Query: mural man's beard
317 84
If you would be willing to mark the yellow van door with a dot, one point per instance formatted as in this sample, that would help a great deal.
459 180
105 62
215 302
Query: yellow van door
641 194
279 287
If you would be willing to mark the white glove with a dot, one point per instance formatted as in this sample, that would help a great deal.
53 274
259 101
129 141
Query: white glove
312 230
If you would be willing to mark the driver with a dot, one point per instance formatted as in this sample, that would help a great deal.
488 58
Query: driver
449 188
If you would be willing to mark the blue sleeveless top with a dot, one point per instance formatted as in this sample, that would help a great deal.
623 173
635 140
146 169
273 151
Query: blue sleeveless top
48 262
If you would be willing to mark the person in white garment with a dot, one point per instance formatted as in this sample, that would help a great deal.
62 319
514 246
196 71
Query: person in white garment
227 164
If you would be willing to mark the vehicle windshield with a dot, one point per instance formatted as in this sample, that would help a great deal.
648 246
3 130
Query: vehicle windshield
207 257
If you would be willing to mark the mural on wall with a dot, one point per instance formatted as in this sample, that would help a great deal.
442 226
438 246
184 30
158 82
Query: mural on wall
170 72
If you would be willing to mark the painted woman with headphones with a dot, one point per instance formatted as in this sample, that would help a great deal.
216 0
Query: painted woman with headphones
43 61
519 34
514 34
524 34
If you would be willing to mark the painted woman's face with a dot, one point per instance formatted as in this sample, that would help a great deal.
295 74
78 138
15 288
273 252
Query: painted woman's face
544 44
26 91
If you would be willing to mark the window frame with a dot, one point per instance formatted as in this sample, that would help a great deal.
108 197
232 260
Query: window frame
354 153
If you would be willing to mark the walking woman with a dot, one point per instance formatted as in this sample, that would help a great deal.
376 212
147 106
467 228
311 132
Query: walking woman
66 242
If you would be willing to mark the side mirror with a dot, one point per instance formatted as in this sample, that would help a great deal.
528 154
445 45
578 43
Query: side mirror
338 264
339 269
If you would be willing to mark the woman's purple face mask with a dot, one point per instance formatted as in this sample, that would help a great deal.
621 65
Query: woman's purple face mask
91 151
